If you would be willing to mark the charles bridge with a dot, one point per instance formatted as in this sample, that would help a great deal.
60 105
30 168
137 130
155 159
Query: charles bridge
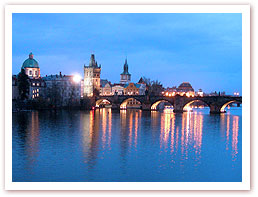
215 103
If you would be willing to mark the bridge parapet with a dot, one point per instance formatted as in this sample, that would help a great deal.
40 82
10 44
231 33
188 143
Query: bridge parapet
216 103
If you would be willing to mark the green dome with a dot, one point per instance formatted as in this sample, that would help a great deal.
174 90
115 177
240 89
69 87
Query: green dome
30 62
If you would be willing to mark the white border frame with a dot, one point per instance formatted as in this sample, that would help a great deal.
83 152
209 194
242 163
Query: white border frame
244 185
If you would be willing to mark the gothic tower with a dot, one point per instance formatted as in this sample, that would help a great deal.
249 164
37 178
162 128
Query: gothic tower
125 76
91 77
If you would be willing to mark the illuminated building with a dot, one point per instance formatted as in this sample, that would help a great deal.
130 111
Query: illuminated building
131 89
118 89
31 67
105 88
91 77
66 86
185 88
125 76
37 88
200 93
170 91
36 83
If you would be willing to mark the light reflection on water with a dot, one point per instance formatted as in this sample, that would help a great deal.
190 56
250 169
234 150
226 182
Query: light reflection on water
130 145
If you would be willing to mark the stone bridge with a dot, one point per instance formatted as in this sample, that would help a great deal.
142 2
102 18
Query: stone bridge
215 103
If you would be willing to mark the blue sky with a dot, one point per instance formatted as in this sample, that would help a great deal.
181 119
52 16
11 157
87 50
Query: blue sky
203 49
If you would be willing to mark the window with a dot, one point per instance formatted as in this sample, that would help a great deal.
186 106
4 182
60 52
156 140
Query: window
36 72
37 94
33 84
37 90
30 72
37 84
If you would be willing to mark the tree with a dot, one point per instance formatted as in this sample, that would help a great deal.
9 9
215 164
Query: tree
54 95
156 87
71 100
23 85
153 87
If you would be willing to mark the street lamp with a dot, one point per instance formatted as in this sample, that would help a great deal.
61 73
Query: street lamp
76 78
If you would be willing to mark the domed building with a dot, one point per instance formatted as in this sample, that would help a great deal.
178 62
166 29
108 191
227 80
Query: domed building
31 67
185 88
36 84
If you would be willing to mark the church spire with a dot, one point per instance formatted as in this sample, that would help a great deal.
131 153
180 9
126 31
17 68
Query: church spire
126 66
125 75
92 61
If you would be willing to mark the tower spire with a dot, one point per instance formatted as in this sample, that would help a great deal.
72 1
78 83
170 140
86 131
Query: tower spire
126 66
92 61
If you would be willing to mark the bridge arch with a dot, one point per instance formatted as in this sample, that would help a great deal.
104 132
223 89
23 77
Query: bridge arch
186 106
156 103
222 109
103 100
130 101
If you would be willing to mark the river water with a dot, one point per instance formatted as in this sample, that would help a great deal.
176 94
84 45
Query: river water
127 146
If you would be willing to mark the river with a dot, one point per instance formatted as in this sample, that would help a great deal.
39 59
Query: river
127 146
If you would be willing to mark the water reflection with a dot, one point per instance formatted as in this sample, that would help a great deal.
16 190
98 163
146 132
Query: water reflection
131 144
232 129
90 137
190 138
166 119
235 137
32 147
28 139
109 128
130 124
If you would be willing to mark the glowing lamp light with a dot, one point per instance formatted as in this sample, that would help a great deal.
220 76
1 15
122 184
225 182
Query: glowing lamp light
76 78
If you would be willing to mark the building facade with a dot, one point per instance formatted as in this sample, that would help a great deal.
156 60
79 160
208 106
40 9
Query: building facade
118 89
131 89
91 77
36 83
63 89
184 88
37 88
105 88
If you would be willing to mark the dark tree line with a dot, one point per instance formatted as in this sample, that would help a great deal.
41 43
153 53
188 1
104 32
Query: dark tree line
23 85
154 87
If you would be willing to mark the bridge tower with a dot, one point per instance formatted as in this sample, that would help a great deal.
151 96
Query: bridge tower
125 76
91 77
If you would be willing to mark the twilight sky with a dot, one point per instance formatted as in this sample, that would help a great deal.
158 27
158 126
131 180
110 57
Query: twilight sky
203 49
